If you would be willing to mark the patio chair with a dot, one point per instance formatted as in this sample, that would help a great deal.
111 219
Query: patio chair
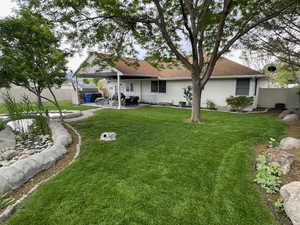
132 100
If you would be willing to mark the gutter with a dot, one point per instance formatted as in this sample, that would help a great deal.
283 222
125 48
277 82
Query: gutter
218 77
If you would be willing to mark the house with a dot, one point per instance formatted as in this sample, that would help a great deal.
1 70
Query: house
166 85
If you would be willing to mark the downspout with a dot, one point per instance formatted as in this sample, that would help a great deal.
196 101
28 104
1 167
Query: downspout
119 94
77 91
141 89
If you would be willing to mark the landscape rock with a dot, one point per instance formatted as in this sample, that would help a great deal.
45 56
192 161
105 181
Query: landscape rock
7 138
4 185
290 118
286 112
29 167
108 136
14 176
291 196
289 143
59 134
284 159
8 155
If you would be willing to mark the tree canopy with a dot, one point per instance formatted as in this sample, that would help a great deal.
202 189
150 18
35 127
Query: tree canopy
30 54
195 33
278 38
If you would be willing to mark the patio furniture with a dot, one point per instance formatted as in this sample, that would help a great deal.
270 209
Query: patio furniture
132 100
101 101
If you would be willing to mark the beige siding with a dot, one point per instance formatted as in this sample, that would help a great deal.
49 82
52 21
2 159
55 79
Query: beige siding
19 92
268 97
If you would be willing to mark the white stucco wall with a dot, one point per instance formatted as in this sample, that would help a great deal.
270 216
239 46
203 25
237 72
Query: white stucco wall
216 90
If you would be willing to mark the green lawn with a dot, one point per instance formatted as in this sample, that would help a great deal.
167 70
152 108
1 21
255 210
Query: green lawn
160 171
66 104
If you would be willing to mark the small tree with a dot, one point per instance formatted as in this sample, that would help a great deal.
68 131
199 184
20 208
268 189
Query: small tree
30 56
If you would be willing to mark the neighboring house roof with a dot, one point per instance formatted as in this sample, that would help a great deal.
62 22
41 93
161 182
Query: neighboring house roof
224 67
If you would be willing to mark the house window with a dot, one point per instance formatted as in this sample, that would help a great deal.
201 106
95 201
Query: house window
158 86
129 87
242 87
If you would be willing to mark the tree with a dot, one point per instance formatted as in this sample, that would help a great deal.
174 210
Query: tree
195 33
278 38
256 60
284 74
30 56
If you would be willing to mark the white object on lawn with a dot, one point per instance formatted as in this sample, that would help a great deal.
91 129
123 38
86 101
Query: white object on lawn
108 136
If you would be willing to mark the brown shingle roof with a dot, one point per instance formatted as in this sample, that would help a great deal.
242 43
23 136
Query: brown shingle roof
224 67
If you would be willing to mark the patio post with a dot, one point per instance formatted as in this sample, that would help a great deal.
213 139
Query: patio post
119 94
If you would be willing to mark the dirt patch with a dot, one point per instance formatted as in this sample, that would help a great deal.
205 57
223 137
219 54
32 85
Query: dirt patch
293 130
57 167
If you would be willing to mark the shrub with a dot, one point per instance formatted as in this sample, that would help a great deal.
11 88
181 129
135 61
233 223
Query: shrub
188 95
210 104
40 125
268 175
27 110
4 201
17 111
279 204
273 143
239 103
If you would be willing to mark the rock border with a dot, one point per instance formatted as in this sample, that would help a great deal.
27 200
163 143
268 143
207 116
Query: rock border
11 208
13 176
69 114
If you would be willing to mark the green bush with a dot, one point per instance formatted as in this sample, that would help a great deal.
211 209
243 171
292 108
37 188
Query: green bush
18 110
239 103
40 125
279 204
268 174
210 104
4 201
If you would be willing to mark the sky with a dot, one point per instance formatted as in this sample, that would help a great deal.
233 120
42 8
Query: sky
7 7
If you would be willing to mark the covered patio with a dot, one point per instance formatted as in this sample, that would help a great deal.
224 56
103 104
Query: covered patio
118 100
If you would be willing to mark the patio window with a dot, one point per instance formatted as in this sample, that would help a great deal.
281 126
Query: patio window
158 86
242 87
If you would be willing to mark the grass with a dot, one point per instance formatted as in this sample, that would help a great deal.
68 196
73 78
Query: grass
160 171
65 105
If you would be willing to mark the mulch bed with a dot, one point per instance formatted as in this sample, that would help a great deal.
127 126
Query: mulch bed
57 167
293 130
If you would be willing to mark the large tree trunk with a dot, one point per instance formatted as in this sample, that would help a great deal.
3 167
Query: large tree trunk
196 101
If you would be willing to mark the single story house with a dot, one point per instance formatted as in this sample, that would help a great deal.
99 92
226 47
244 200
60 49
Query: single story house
167 85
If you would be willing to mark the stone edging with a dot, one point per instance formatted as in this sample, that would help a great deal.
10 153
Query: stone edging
11 208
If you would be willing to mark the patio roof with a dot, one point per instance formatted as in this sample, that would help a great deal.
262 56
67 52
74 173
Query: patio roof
114 75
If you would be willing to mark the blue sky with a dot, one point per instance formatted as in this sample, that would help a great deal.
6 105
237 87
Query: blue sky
7 7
